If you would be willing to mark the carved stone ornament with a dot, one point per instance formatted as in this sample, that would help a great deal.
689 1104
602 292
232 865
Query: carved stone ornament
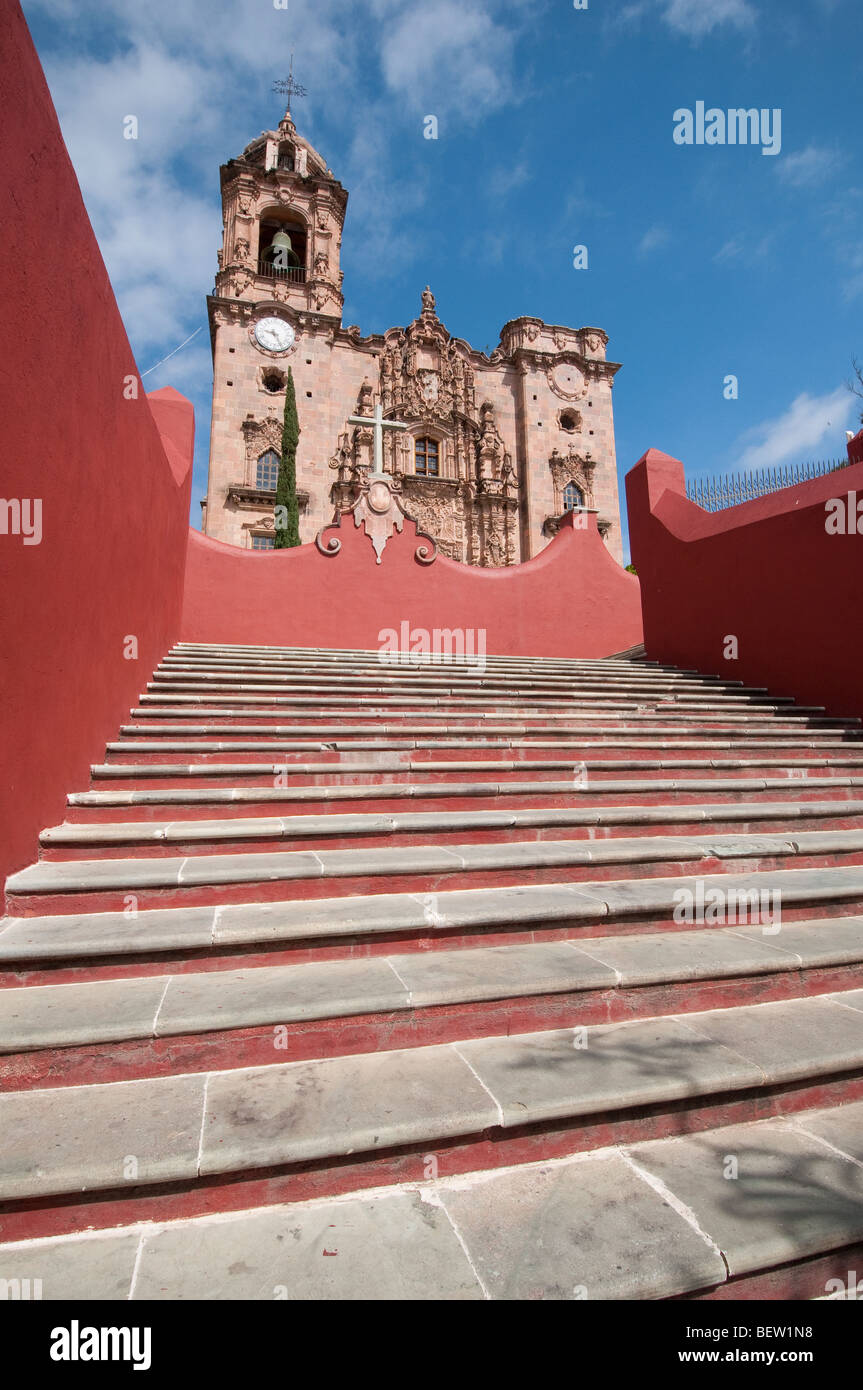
566 380
379 510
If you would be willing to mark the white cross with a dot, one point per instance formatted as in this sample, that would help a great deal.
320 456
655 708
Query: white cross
379 424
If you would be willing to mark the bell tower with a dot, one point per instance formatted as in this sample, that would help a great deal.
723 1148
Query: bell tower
277 303
283 213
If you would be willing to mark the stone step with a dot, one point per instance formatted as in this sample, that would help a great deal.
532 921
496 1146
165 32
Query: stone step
653 1077
488 826
163 717
117 942
645 1221
588 740
59 1034
358 725
650 1221
195 803
105 883
334 769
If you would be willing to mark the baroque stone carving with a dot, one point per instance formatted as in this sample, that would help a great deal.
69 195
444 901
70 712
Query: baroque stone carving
571 468
379 511
260 435
556 374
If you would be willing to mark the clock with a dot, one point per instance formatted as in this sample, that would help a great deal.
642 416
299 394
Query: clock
274 335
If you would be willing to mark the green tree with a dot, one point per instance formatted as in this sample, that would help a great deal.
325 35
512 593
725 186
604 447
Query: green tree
287 507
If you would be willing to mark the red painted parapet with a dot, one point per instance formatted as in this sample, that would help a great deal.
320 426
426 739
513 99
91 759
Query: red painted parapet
572 600
95 485
855 448
778 581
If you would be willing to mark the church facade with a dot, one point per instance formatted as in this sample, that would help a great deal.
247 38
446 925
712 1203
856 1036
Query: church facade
497 447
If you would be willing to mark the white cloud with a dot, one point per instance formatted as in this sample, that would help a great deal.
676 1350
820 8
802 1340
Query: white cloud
503 181
654 239
745 250
693 19
697 18
807 423
808 168
461 43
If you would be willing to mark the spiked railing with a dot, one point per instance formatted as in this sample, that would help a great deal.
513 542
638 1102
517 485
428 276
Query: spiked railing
730 489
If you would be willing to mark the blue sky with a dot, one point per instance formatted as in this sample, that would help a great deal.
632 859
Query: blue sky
555 130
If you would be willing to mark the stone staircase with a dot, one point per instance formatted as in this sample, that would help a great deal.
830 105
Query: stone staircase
348 980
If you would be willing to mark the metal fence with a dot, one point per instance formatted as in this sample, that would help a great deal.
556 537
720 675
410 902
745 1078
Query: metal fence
730 489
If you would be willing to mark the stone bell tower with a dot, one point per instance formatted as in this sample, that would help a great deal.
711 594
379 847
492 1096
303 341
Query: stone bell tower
277 301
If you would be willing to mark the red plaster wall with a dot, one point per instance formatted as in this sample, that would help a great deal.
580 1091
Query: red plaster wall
113 476
572 600
767 572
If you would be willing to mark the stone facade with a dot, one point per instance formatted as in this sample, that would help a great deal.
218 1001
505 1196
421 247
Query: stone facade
508 441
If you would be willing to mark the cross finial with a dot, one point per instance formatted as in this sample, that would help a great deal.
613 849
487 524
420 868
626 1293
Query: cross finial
287 87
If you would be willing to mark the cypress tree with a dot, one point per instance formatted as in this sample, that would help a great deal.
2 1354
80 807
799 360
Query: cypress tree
286 488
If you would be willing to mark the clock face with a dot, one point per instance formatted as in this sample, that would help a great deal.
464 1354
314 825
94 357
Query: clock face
274 334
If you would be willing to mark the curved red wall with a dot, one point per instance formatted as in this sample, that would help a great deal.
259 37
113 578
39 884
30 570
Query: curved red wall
572 600
766 572
113 477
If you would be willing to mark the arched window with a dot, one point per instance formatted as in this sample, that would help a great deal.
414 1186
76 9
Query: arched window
572 497
426 458
267 474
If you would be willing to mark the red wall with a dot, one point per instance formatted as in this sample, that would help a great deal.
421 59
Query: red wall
572 600
113 476
767 572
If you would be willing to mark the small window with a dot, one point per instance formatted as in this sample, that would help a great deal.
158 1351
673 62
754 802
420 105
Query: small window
426 459
274 382
568 421
267 474
263 543
572 497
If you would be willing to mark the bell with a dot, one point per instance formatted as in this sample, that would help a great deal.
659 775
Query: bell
281 242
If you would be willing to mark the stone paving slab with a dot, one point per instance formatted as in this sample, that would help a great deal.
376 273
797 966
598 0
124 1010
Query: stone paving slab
87 1268
841 1127
70 935
78 1138
262 1116
791 1198
607 1067
280 995
73 1014
790 1039
817 942
379 1247
499 972
694 955
590 1229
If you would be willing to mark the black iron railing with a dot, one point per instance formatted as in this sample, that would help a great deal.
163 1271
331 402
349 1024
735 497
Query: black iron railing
295 274
730 489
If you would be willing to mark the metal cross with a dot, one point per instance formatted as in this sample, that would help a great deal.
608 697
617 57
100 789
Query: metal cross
287 87
378 424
